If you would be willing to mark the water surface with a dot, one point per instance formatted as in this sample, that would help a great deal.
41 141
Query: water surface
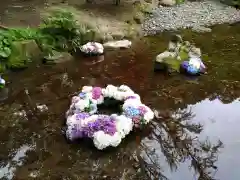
33 146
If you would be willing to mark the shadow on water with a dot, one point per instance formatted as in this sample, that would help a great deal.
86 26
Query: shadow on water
32 146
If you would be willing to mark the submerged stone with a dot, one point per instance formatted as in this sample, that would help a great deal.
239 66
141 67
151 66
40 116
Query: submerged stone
118 44
58 57
23 52
178 52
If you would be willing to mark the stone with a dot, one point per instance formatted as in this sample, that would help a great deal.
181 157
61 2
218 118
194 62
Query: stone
195 52
160 58
201 29
58 57
121 44
167 2
167 61
23 53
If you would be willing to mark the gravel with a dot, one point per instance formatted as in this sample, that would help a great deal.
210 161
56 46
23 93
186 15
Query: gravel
195 15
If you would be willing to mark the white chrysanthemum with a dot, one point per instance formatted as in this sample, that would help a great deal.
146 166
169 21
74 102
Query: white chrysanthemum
109 91
82 104
149 115
125 88
118 95
131 102
102 140
87 89
71 120
124 125
100 100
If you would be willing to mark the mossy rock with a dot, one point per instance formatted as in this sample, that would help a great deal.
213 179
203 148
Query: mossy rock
57 57
173 64
138 17
183 55
23 53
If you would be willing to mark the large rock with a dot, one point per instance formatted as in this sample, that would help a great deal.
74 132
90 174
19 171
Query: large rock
58 57
169 61
178 52
23 53
121 44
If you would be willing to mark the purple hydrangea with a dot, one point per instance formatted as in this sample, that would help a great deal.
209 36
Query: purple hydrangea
82 115
103 123
131 97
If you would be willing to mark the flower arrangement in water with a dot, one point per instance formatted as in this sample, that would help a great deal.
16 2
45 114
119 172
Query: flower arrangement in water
105 130
2 82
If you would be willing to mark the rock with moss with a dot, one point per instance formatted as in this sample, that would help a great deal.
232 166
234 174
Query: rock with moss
57 57
178 51
23 53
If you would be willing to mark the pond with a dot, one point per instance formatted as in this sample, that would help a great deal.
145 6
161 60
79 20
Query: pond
33 147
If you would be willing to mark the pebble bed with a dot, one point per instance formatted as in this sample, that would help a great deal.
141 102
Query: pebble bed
196 15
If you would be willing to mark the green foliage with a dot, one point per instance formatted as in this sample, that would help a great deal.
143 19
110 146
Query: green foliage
236 3
61 31
58 32
180 1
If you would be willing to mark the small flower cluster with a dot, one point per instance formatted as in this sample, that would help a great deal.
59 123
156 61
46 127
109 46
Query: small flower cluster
2 82
94 48
193 66
82 120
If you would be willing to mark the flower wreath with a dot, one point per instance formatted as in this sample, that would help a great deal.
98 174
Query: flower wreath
105 130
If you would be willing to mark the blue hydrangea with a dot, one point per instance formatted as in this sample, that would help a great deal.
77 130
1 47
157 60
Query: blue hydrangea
192 70
131 111
82 95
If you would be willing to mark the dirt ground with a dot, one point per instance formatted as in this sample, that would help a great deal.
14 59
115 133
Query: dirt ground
111 20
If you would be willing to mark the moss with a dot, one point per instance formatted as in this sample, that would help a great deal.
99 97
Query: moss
173 64
183 55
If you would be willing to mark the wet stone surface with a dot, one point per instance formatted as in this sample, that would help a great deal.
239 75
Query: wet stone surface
33 147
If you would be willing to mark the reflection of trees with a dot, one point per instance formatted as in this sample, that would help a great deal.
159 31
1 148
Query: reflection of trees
178 141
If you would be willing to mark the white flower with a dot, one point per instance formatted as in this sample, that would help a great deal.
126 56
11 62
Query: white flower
109 91
75 99
102 140
100 100
82 104
2 81
87 89
149 115
118 95
100 48
125 88
195 62
71 120
124 125
132 103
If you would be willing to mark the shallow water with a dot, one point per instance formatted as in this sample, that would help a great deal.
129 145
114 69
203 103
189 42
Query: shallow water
33 146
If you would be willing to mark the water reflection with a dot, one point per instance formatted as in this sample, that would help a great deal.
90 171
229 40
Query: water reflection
7 171
172 141
175 139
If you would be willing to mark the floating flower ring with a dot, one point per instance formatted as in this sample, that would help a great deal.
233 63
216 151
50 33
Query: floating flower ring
82 119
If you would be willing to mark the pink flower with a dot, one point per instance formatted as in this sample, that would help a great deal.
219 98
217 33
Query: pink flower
96 92
142 110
